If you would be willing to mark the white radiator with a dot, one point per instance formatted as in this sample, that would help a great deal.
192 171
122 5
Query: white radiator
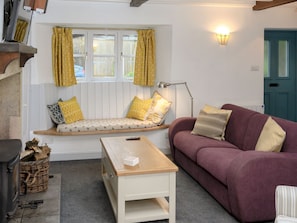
257 108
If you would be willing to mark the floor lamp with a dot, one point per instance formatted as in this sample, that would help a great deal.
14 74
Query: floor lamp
165 85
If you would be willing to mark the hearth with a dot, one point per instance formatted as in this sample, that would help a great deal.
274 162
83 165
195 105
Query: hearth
9 177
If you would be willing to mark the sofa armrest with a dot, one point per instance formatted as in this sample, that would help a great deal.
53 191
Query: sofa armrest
286 201
179 124
252 179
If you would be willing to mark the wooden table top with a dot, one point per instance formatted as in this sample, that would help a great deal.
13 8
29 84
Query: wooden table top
151 159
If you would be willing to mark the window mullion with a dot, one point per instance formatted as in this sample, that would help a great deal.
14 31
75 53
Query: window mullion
91 55
119 56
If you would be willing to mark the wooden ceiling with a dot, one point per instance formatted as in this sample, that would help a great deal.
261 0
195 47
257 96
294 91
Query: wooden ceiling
137 3
260 5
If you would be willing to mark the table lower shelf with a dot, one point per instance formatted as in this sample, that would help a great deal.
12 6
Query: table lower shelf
147 210
139 210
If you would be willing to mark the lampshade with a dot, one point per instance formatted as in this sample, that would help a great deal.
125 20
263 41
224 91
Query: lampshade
163 84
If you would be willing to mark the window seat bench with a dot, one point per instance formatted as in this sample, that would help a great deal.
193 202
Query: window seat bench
101 126
80 140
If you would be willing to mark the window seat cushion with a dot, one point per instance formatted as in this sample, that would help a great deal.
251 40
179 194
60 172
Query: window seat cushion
105 124
102 126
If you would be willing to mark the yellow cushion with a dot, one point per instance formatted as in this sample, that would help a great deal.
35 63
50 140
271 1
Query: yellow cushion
211 122
271 138
139 108
71 110
159 109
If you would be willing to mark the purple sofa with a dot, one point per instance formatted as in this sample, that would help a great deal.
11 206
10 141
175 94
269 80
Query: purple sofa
241 179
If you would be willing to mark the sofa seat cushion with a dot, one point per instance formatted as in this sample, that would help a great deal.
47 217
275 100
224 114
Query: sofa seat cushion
217 161
190 144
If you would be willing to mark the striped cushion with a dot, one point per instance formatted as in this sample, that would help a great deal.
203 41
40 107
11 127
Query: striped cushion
286 201
211 123
285 219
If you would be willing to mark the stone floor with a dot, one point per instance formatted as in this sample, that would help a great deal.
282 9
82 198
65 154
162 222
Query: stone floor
46 212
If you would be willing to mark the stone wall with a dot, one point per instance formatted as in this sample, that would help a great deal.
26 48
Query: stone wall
10 100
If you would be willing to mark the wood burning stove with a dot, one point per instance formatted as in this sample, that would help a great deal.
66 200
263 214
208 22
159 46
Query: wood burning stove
9 177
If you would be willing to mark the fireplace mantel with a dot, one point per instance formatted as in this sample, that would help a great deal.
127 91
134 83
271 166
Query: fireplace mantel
10 51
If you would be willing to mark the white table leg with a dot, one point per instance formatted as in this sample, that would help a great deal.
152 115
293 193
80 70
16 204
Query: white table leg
172 197
121 201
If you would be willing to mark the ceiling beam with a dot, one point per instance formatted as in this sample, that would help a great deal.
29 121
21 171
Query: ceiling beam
260 5
137 3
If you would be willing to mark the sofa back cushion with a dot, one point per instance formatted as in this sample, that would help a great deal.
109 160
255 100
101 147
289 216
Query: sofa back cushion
238 125
245 126
254 129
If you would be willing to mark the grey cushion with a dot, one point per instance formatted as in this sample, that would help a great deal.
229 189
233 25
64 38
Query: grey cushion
55 113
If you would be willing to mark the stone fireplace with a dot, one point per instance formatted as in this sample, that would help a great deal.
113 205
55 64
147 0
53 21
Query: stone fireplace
13 56
10 101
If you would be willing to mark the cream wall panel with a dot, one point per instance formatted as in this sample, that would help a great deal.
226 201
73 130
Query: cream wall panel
97 100
120 99
113 96
106 101
98 104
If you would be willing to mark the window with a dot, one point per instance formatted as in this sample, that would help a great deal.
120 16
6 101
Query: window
283 59
266 58
101 55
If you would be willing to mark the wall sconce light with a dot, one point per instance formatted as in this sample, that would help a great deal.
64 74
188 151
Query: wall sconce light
223 35
165 85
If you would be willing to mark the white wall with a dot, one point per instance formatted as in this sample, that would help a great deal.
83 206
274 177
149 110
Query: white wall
215 74
187 48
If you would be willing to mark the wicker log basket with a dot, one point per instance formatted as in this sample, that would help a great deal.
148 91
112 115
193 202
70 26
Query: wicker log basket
34 168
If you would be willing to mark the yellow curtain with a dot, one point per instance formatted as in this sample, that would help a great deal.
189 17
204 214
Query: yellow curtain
20 30
62 57
145 64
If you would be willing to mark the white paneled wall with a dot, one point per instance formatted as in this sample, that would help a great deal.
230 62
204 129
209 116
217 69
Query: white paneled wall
97 100
104 100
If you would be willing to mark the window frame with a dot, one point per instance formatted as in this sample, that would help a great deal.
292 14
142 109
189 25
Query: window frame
89 54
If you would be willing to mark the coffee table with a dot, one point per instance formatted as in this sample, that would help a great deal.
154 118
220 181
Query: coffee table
144 192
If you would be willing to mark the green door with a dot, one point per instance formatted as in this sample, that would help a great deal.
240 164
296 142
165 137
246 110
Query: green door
280 74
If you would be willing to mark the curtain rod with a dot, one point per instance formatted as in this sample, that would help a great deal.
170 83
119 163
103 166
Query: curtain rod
101 28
